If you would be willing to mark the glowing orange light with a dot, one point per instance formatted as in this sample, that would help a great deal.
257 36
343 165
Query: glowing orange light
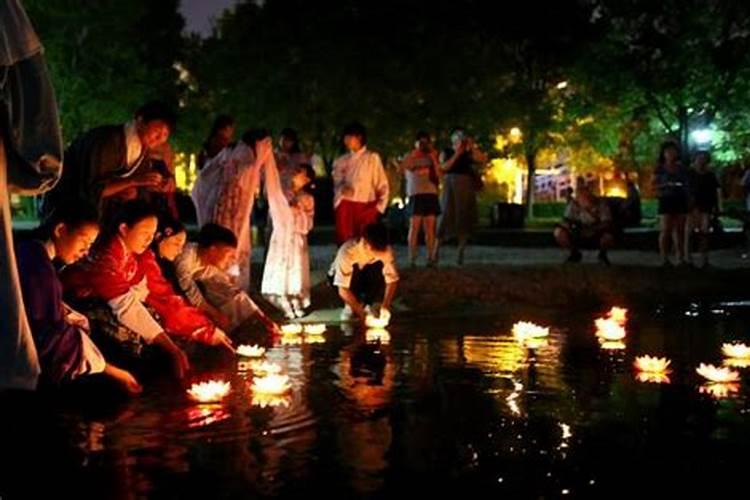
271 384
720 390
210 391
609 330
717 374
314 328
250 351
736 350
524 330
381 335
291 329
265 367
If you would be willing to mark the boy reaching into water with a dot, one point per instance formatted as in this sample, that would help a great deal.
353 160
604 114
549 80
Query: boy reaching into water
363 267
202 274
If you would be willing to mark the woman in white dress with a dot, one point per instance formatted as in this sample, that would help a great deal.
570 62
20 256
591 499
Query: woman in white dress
226 188
286 275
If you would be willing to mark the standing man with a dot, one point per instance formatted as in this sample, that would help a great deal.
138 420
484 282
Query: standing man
103 166
360 186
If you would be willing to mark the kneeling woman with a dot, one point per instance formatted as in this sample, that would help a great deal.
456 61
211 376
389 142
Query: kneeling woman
116 288
60 334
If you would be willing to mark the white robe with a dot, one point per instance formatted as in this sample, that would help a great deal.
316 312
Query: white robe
286 274
35 136
224 194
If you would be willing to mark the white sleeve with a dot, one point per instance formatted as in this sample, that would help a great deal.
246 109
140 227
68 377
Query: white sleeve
92 360
339 179
380 181
390 272
130 311
187 283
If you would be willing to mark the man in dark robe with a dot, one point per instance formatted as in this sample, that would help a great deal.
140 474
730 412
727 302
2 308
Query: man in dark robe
110 164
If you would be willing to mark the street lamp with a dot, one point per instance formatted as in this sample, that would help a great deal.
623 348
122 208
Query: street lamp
702 136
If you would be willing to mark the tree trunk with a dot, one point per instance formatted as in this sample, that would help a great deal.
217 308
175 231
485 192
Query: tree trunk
530 184
682 116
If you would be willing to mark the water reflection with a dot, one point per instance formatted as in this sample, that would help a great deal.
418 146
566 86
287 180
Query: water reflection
423 408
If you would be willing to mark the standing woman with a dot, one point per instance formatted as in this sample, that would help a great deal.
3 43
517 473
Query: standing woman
461 182
671 182
220 136
421 168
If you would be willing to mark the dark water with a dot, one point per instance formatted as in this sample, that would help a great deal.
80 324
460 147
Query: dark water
446 407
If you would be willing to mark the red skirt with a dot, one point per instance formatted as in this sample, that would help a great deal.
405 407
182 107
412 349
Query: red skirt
352 217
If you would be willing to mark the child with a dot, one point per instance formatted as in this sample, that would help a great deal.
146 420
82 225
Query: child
61 334
286 274
357 269
113 287
202 275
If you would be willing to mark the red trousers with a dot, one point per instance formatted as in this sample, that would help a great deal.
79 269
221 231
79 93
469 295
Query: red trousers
352 217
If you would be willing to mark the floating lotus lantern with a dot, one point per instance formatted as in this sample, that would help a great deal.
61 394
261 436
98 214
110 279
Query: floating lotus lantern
374 335
314 328
265 367
736 351
720 390
535 343
291 329
272 384
609 330
619 315
314 339
271 400
250 351
652 369
523 330
381 321
211 391
737 362
612 345
652 364
721 375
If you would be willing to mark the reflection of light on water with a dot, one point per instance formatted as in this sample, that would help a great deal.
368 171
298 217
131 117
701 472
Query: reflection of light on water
250 351
374 335
717 374
271 400
535 343
566 435
291 340
737 362
314 328
513 398
612 345
271 384
720 390
210 391
203 415
652 378
265 367
314 339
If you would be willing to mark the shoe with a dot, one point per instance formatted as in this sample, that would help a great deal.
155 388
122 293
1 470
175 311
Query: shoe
346 314
575 257
604 259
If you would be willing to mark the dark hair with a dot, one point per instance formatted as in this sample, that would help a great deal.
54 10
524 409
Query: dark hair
356 129
213 234
74 216
663 148
133 212
376 234
253 135
221 122
423 134
168 226
157 110
293 136
310 172
703 152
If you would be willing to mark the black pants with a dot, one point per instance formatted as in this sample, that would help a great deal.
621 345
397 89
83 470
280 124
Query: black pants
368 283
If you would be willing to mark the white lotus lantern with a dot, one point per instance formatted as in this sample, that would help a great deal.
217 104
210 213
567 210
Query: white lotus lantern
273 384
211 391
250 351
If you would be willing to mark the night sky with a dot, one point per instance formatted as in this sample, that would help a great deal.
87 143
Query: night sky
199 13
